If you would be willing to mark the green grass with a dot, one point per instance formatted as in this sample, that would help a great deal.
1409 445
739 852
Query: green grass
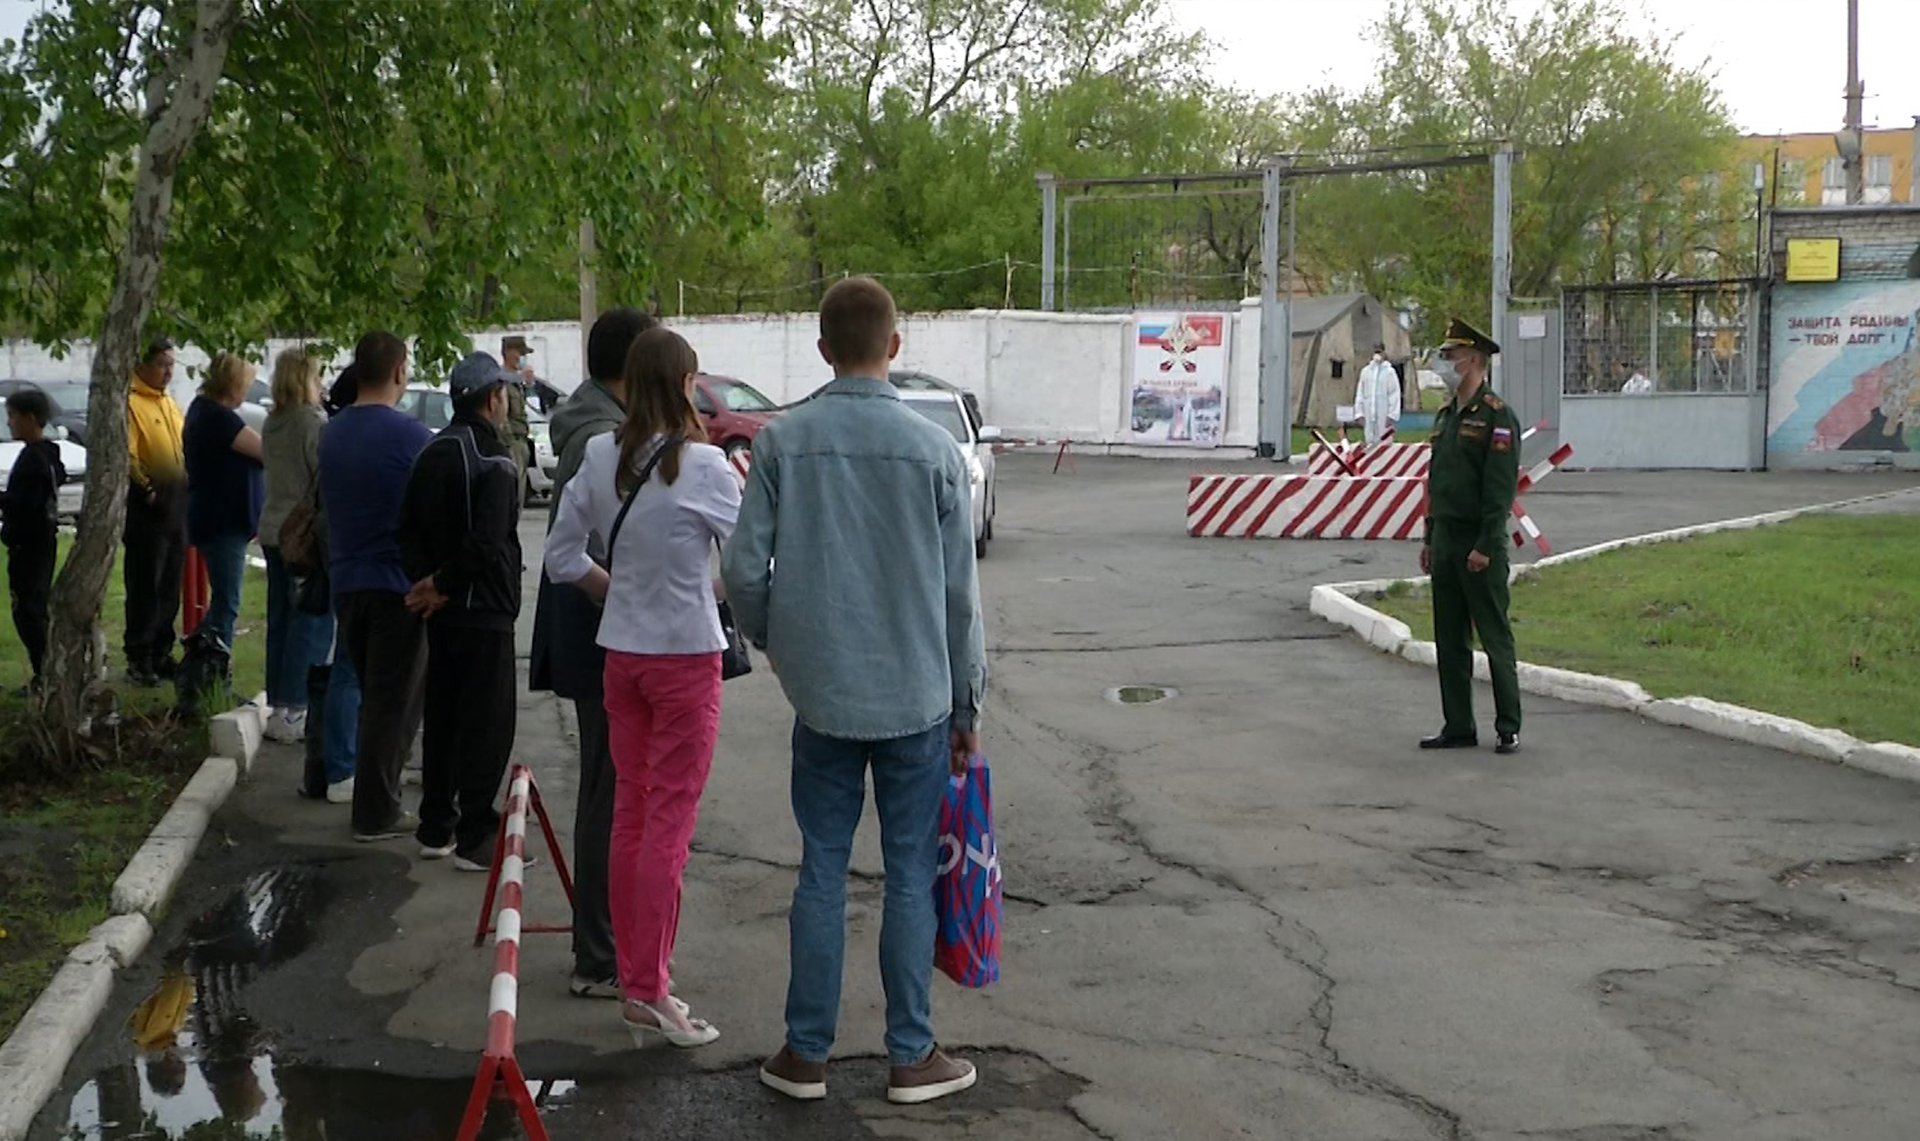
62 846
61 850
1816 619
250 638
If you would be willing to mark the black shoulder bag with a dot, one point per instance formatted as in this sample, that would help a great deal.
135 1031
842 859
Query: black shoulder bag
734 660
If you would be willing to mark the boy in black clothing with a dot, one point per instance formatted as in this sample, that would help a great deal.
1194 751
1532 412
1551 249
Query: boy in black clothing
460 544
31 527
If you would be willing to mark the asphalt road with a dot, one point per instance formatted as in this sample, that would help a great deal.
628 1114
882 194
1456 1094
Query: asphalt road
1252 910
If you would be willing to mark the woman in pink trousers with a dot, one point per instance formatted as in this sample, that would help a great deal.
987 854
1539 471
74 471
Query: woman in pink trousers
635 529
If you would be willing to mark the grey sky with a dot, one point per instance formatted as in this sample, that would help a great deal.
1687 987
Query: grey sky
1781 64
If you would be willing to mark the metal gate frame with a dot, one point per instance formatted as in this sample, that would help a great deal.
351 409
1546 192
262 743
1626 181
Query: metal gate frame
1276 312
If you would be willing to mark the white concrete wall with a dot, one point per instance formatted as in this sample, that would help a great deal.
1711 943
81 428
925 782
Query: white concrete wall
1717 431
1038 375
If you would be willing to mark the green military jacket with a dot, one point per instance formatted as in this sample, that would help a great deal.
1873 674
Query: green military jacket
1476 469
517 432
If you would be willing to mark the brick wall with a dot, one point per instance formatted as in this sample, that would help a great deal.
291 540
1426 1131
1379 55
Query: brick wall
1875 241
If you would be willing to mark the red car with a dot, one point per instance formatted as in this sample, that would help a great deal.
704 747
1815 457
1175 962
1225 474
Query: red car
734 411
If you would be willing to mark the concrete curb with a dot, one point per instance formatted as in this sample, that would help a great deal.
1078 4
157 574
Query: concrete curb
1336 602
34 1057
238 734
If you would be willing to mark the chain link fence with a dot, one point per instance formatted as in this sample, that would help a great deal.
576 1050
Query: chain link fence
1659 338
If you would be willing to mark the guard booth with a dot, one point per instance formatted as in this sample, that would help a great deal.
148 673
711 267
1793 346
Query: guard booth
1660 375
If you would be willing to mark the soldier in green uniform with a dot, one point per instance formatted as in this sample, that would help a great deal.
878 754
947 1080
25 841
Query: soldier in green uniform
518 436
1470 490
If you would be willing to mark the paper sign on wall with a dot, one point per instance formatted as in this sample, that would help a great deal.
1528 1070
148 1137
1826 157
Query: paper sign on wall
1179 379
1533 326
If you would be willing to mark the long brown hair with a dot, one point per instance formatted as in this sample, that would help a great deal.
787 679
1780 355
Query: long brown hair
657 403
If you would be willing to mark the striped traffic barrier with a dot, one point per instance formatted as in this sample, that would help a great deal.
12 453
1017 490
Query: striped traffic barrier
1304 507
1063 451
1385 458
741 461
500 1077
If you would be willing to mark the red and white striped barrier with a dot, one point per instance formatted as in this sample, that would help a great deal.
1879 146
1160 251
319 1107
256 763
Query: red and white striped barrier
1385 458
1304 507
741 461
1063 451
500 1077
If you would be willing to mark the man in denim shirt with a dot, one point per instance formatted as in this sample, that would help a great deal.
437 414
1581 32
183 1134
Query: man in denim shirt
852 566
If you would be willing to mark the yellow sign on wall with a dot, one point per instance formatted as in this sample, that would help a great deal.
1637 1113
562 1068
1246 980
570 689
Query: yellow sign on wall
1813 259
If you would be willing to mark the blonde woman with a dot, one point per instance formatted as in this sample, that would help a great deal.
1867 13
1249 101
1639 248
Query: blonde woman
224 486
296 639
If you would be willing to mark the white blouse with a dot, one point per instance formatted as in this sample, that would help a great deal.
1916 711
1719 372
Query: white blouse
660 599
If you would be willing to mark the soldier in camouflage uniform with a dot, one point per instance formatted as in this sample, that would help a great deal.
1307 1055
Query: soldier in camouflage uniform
514 352
1470 488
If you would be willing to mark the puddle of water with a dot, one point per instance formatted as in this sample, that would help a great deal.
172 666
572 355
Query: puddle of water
203 1069
1140 694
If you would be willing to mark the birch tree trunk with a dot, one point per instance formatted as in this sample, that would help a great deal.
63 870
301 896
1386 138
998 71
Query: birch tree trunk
178 100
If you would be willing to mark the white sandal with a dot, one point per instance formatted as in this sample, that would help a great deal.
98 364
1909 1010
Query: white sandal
698 1032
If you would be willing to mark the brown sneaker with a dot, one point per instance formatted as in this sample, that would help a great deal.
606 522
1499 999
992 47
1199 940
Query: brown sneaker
930 1080
788 1073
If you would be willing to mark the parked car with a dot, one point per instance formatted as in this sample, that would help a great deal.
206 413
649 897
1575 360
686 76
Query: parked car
734 411
69 400
540 473
72 456
913 380
433 406
949 410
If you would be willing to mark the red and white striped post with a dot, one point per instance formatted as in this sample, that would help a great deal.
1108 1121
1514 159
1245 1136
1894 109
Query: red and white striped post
500 1076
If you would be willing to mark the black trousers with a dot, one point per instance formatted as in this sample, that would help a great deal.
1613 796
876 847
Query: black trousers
388 648
156 556
593 953
30 583
472 688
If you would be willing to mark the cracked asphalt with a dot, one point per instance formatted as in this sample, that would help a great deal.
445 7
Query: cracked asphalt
1254 910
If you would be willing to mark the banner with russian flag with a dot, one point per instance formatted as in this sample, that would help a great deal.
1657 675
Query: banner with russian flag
1180 379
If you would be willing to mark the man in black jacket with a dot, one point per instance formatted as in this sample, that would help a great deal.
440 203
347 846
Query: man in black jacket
460 542
31 530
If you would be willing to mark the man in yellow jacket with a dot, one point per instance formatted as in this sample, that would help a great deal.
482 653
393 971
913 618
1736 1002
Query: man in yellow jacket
156 531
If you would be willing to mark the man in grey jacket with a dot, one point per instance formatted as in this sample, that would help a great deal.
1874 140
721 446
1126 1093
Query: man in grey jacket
567 659
852 567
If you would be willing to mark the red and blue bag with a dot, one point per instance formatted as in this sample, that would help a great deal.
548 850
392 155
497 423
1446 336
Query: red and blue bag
966 894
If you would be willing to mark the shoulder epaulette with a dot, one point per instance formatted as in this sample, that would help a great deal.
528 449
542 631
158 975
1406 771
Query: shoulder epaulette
1494 402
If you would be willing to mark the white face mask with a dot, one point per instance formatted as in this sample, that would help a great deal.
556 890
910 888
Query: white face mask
1449 374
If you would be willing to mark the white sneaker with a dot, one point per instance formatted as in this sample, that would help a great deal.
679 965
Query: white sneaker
340 792
287 727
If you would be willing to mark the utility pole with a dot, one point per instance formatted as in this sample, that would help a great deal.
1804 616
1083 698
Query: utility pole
1851 151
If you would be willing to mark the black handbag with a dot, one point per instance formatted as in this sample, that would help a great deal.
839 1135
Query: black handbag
735 661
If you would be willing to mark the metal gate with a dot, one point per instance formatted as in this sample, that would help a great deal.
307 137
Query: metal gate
1531 360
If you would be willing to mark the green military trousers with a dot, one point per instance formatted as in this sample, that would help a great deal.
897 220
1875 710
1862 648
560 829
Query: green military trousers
1466 602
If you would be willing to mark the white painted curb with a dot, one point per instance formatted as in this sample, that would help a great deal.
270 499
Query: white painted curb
1336 603
1900 762
238 734
34 1057
1739 723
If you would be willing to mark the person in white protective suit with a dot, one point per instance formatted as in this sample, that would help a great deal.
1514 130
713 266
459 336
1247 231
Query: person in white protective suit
1376 402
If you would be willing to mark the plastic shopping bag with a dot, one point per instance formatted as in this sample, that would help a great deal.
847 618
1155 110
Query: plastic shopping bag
967 890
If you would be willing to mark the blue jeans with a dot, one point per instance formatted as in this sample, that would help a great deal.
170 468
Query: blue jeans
296 640
341 730
226 559
829 793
